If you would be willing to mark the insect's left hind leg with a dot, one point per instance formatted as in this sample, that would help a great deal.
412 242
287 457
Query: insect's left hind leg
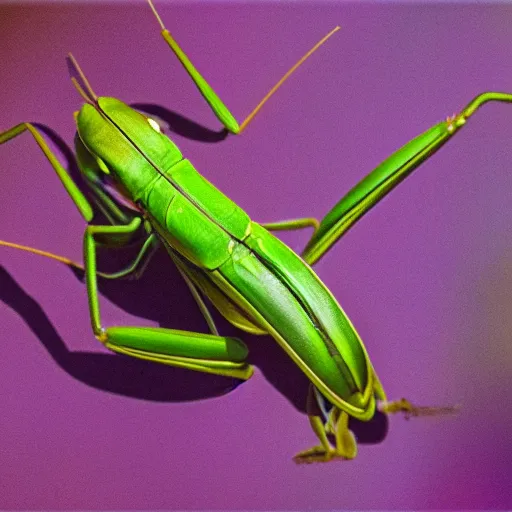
196 351
382 180
80 201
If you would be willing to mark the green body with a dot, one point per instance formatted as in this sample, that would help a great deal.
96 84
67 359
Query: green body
254 280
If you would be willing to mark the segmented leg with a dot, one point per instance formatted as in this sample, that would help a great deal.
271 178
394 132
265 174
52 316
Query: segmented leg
382 180
74 192
195 351
108 205
218 107
81 202
136 267
345 448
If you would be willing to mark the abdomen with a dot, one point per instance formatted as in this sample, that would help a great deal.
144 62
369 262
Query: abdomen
260 284
284 296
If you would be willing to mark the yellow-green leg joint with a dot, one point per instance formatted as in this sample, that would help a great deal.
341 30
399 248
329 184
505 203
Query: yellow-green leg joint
345 448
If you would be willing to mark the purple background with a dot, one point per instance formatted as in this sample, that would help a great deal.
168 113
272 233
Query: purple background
426 277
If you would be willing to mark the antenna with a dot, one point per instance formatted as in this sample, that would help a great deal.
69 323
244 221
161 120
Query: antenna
80 81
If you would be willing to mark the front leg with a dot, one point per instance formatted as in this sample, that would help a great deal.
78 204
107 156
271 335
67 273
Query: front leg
72 189
218 107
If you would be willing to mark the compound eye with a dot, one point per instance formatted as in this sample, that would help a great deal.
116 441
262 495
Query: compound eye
154 125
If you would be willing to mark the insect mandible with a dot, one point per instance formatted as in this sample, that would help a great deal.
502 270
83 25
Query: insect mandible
254 280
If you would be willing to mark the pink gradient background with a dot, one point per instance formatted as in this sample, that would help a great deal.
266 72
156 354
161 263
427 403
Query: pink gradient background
426 277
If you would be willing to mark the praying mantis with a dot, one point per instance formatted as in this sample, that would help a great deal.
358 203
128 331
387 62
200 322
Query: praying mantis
255 281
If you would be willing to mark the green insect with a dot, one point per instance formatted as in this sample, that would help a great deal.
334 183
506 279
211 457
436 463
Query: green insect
253 279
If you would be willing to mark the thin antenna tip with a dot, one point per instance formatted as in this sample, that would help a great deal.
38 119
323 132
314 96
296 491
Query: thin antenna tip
79 80
157 16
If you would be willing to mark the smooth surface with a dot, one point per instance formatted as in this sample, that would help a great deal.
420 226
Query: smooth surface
426 277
